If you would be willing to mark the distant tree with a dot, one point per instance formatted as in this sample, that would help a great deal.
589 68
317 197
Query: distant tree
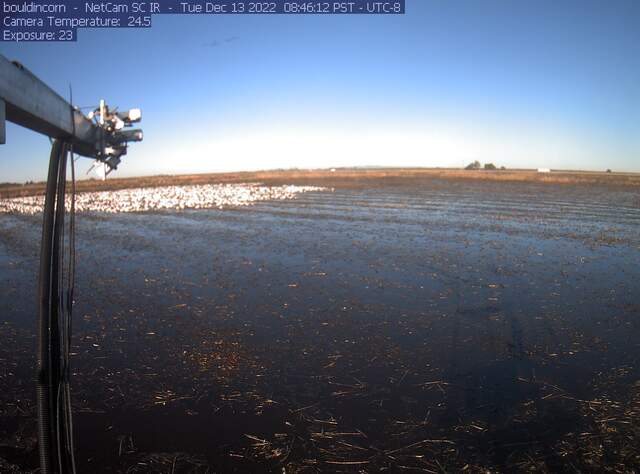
608 171
490 166
474 166
503 168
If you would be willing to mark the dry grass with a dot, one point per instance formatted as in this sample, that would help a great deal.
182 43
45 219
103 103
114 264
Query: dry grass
343 177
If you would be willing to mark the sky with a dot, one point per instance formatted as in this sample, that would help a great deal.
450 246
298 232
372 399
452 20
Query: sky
522 84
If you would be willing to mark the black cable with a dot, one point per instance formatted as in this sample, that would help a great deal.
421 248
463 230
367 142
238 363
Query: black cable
68 314
66 342
55 308
57 328
55 427
47 307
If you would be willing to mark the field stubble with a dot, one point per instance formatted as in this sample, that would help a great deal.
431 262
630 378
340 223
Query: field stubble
408 325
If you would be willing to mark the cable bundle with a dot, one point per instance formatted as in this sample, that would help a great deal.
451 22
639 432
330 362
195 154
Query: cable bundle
55 426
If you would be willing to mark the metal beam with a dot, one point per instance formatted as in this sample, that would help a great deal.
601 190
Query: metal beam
34 105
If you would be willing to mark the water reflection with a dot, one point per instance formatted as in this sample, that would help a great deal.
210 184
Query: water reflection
422 326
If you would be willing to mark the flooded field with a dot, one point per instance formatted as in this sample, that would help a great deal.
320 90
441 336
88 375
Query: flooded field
406 325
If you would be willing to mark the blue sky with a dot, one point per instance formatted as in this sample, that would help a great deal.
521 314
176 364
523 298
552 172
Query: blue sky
519 83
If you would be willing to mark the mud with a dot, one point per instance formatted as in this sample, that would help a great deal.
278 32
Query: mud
401 325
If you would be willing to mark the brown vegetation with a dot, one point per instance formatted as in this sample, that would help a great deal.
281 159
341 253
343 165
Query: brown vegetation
344 177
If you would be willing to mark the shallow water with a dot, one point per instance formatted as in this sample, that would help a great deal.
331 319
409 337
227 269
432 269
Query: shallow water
414 324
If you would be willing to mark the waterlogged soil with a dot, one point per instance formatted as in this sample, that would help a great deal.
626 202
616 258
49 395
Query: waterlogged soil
400 325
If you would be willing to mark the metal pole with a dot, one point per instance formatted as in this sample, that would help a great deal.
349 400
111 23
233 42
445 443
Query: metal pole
48 360
29 102
34 105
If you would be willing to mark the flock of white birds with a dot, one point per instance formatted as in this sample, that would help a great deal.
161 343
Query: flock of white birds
207 196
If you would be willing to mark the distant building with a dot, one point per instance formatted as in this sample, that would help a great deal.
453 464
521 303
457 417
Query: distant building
544 170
